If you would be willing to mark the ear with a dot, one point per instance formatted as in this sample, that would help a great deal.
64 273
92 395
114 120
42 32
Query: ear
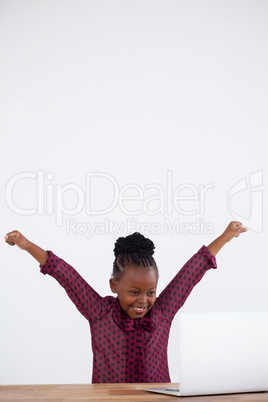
113 285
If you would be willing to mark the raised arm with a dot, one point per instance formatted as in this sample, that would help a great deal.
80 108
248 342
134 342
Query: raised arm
86 299
175 294
16 238
233 230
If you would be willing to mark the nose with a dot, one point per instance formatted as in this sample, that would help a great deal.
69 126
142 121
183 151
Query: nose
143 299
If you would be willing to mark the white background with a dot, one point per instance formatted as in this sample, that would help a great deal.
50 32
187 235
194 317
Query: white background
137 90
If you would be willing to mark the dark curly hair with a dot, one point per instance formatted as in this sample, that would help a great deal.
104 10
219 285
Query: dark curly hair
135 250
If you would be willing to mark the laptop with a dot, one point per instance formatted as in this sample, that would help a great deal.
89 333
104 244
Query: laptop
221 353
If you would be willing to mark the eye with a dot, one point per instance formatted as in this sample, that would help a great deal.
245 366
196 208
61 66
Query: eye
151 293
133 292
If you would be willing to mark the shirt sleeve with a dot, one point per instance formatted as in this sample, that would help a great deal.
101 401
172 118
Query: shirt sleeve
175 294
86 299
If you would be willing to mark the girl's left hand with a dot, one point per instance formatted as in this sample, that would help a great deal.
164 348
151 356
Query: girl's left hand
234 229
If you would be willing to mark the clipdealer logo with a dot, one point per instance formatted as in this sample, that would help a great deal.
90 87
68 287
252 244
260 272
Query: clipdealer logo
102 195
250 192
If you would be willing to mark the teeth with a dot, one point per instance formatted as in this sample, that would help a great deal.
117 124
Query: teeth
139 308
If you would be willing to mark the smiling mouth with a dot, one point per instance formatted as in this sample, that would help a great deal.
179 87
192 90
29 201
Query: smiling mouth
139 309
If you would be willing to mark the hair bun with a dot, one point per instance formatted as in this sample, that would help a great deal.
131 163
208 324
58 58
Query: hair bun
135 243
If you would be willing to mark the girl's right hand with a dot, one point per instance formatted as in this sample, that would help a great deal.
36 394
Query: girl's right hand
16 238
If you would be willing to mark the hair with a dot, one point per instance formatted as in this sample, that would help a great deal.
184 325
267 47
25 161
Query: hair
134 250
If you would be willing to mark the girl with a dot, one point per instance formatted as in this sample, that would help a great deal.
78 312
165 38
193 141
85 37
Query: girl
130 332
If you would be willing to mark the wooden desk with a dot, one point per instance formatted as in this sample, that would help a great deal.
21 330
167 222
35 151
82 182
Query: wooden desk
105 392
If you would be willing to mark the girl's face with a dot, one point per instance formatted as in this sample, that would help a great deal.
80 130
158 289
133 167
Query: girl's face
136 290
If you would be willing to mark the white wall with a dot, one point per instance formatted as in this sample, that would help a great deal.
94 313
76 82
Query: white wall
144 92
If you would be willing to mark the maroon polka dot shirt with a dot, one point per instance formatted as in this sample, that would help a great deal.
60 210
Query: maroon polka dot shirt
126 349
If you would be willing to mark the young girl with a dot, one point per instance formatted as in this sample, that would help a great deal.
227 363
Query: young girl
130 332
